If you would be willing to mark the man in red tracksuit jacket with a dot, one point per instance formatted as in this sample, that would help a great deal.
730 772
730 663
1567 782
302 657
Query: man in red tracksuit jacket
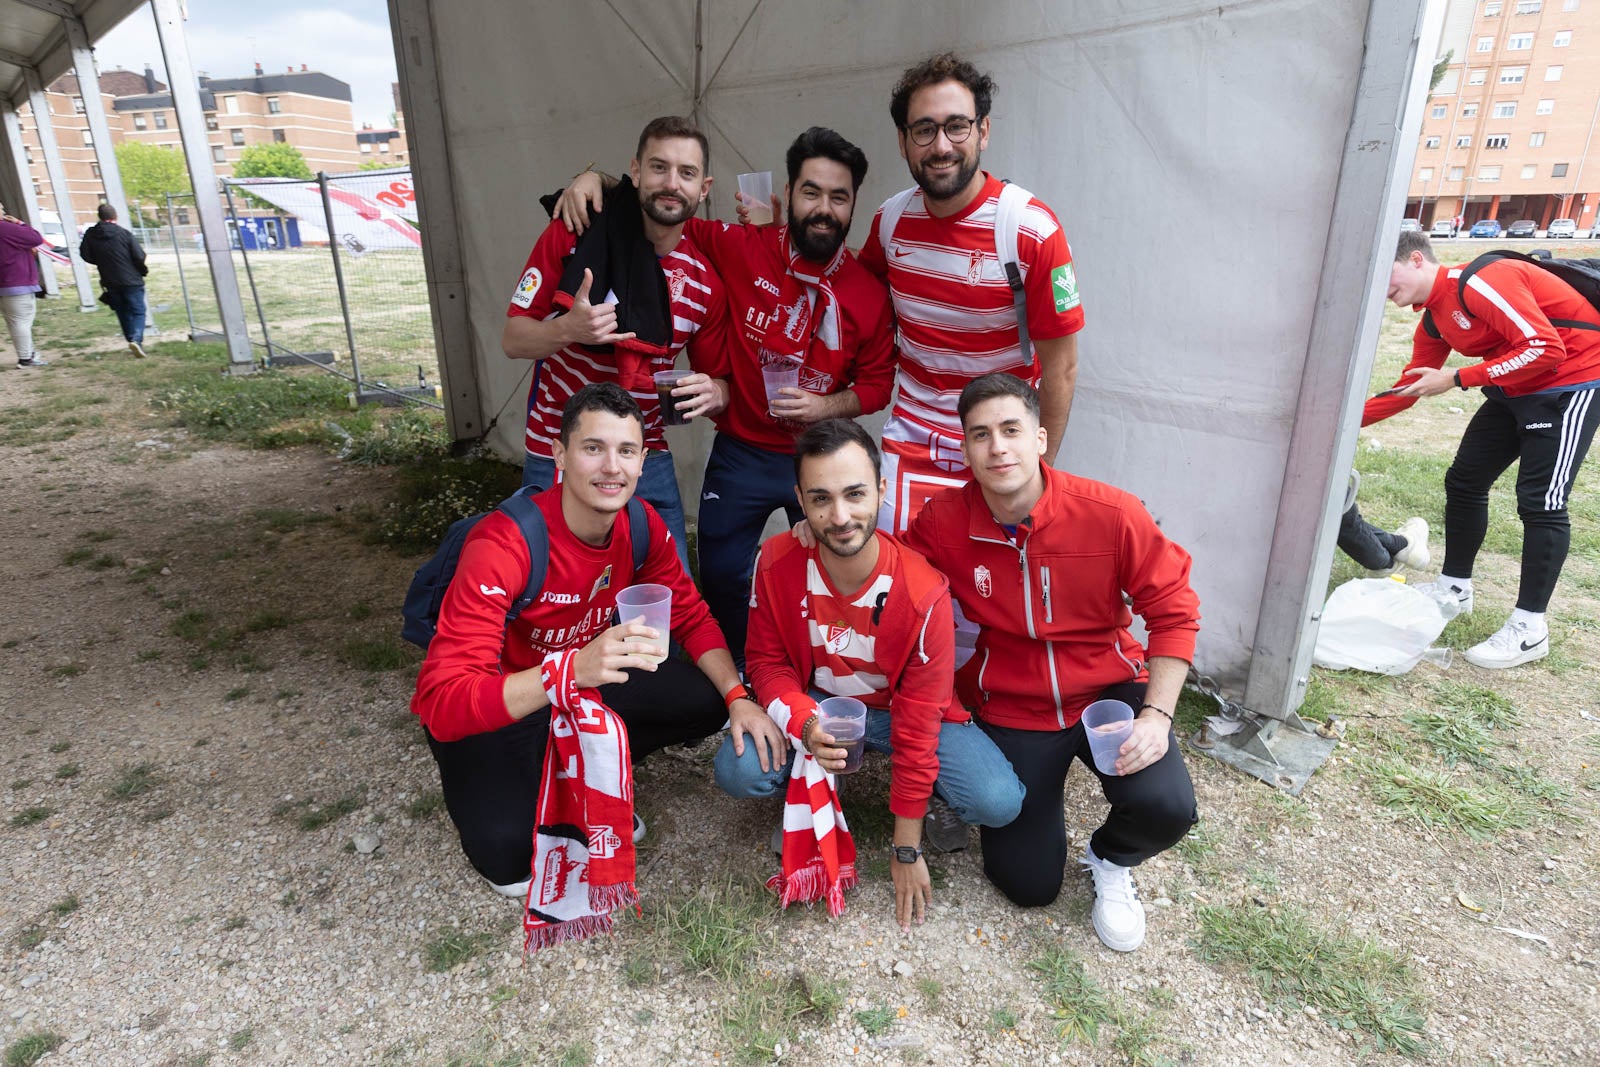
855 614
1537 341
479 693
1039 560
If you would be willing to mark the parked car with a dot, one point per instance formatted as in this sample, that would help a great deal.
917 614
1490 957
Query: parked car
1485 228
1562 228
1443 228
1410 226
1522 228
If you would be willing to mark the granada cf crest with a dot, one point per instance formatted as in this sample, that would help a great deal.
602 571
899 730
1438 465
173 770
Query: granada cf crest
676 280
1461 320
837 637
981 579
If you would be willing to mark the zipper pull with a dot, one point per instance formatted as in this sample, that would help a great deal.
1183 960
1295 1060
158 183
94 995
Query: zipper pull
1044 588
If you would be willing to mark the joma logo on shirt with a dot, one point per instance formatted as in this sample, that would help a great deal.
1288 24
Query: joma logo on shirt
558 598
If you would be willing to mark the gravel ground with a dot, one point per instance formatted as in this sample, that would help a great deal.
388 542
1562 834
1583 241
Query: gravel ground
275 884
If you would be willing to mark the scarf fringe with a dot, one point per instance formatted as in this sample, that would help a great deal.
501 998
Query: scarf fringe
548 935
611 897
811 884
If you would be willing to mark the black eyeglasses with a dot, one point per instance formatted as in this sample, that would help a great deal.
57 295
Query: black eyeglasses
956 130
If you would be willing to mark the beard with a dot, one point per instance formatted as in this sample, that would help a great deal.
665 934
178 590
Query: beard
948 185
666 209
830 539
816 245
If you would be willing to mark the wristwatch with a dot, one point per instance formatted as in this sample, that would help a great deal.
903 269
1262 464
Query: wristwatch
905 853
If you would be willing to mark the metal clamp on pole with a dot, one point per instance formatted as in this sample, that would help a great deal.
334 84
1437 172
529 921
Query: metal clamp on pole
1281 752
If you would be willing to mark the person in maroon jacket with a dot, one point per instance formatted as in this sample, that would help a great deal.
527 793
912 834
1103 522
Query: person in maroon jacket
853 613
1536 343
1040 561
19 281
479 693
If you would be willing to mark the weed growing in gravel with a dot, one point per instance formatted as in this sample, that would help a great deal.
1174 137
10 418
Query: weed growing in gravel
191 625
1453 737
931 991
1138 1039
156 814
1444 801
1078 1004
135 781
67 770
1002 1019
1481 705
1352 980
74 556
234 923
453 948
21 783
263 621
31 937
60 747
67 670
10 643
239 1040
764 1017
876 1019
317 818
718 929
236 693
29 1049
425 805
29 816
65 906
436 491
577 1054
376 654
97 536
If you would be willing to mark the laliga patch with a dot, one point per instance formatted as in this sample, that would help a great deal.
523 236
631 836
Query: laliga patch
1461 320
527 287
602 582
1064 283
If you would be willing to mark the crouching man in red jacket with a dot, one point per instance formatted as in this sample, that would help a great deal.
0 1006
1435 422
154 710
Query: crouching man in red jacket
1039 560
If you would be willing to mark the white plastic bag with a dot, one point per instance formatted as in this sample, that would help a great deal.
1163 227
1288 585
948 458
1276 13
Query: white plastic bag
1380 625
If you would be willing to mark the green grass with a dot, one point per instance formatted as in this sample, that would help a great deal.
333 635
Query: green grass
453 948
191 625
770 1013
262 621
317 818
1473 804
240 1040
67 770
377 654
65 906
1077 1002
1002 1019
29 1049
236 693
135 781
1351 981
59 747
718 930
1453 737
31 937
426 805
30 816
875 1020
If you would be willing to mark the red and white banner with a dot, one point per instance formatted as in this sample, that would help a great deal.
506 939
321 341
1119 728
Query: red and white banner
370 212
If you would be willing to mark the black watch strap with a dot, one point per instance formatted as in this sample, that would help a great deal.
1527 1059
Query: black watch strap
905 853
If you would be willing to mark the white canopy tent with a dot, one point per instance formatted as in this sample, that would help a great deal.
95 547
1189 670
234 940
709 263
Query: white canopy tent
1230 176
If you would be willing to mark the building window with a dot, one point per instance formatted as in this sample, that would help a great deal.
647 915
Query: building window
272 106
237 135
383 148
1488 174
1519 42
1529 7
1545 107
1485 44
1552 74
1431 142
366 148
1558 170
77 105
138 120
27 154
182 216
1497 140
1469 111
211 120
1512 75
217 155
230 104
1563 38
88 138
1425 174
1536 140
1491 8
95 168
1529 170
1569 5
1477 76
161 120
279 137
1464 141
1507 110
1438 111
1455 173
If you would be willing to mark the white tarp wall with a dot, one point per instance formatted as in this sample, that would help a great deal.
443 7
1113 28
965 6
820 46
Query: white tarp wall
1224 172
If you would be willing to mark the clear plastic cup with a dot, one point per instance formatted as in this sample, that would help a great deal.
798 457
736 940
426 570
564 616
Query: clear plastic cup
755 191
666 381
845 720
651 605
778 376
1108 724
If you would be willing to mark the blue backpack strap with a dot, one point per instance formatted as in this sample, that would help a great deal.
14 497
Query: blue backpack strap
520 509
639 532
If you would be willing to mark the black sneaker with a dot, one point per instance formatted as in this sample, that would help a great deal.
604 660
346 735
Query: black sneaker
943 829
32 361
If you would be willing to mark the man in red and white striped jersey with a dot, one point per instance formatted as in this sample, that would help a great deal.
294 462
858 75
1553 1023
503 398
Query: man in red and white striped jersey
582 344
956 312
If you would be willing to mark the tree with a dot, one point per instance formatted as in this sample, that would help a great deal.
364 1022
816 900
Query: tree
1439 70
276 160
379 164
149 173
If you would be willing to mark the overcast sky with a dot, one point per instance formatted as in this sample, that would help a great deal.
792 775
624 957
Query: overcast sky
348 39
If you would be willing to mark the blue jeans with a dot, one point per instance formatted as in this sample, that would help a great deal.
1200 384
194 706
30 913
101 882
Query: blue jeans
743 486
975 778
658 487
130 308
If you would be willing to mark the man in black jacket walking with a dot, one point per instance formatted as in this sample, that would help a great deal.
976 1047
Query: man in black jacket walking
121 261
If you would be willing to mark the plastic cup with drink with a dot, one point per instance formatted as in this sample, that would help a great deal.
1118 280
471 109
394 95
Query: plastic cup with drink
845 720
651 605
666 381
1108 724
777 376
755 192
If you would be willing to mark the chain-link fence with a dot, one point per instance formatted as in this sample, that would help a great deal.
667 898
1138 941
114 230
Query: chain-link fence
356 304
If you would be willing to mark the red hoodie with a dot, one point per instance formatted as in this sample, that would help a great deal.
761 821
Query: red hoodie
460 688
1052 623
895 636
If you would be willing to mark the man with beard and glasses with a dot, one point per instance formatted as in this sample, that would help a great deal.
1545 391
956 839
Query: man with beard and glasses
855 614
957 313
801 300
620 304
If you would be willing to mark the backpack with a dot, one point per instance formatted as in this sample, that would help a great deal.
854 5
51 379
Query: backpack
1008 220
1582 274
420 613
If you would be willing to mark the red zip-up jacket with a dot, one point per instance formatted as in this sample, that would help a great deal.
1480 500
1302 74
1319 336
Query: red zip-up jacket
1506 323
461 686
1052 623
913 644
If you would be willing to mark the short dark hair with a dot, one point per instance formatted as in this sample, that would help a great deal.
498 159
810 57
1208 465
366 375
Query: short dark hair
944 67
669 126
995 385
819 142
598 396
106 212
1413 241
828 436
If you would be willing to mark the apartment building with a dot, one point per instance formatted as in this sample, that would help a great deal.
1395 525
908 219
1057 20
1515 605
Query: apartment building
1510 132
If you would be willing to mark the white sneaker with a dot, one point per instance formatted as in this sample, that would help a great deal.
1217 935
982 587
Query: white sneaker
1118 915
1415 554
638 828
1445 592
515 890
1513 644
136 348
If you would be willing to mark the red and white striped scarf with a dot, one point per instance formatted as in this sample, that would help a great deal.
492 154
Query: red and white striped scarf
805 311
584 834
819 856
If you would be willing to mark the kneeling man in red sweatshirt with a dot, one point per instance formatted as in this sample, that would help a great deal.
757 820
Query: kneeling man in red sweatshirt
1040 561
